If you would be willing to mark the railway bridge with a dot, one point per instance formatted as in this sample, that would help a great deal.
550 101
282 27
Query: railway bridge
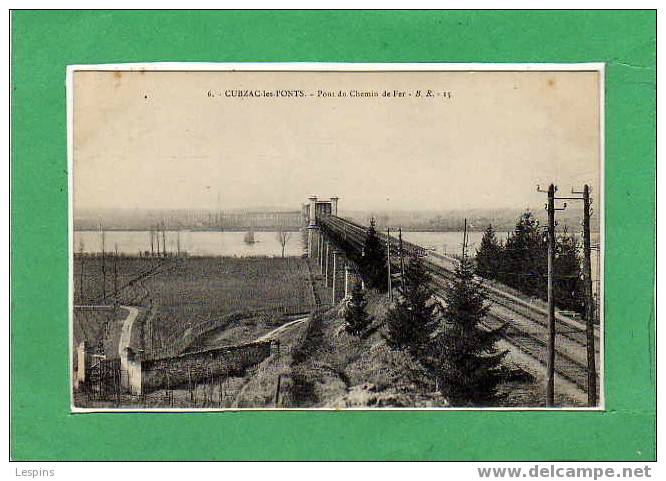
334 242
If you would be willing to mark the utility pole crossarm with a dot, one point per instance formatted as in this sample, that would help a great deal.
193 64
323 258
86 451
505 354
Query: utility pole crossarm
589 306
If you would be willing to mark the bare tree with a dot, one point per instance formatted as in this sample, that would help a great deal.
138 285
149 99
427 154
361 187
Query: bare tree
82 261
283 237
103 240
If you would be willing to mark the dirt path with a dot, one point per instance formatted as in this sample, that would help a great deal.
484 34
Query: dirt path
126 331
276 332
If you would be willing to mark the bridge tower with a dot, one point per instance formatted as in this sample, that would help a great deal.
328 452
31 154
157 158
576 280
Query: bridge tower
313 228
312 211
334 205
316 207
331 262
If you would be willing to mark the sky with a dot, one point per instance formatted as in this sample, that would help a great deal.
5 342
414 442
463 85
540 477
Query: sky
175 140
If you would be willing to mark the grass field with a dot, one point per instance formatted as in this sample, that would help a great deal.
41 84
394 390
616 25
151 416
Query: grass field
317 365
188 295
94 276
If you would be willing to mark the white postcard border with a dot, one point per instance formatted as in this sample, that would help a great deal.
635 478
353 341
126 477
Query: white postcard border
337 67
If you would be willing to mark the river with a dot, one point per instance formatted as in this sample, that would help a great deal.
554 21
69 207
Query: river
228 243
195 243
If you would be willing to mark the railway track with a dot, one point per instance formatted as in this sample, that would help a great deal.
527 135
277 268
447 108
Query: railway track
569 330
526 324
534 346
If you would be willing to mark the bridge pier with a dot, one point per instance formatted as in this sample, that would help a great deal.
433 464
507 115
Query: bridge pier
328 246
310 242
320 260
313 241
334 276
347 274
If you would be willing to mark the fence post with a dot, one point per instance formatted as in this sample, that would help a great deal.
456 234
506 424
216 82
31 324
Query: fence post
169 392
210 386
82 364
277 390
116 382
189 384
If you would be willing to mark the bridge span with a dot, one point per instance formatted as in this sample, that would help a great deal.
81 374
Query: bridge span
333 241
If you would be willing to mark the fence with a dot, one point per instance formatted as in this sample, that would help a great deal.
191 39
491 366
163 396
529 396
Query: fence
105 379
102 379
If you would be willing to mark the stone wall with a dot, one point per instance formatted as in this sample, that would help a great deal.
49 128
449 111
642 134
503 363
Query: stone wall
197 366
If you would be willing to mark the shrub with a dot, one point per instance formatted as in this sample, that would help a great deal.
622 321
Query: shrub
356 317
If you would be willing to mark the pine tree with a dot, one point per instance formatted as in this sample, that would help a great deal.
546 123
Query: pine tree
524 264
373 263
489 255
467 364
356 317
411 322
568 285
525 261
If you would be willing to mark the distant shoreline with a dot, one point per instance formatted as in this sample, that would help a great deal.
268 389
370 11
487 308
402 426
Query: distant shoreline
255 229
266 229
290 229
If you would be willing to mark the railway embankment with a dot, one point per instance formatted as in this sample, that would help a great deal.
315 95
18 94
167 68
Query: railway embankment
321 366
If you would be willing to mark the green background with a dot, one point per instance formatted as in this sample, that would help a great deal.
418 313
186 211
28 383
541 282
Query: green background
43 43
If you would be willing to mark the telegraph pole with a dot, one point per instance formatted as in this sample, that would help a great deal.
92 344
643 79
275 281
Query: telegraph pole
589 298
589 303
388 262
402 261
550 355
550 361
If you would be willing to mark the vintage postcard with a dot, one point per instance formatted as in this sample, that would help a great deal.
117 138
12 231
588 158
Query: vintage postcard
336 236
